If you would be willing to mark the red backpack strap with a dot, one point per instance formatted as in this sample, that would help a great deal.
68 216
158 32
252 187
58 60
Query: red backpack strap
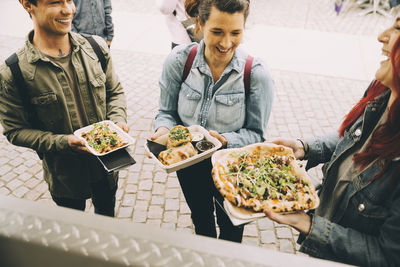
247 74
189 62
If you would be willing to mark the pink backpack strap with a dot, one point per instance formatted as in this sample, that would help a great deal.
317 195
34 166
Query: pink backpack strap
189 62
247 74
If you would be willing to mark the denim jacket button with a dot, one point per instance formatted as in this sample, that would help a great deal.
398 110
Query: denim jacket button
361 207
357 132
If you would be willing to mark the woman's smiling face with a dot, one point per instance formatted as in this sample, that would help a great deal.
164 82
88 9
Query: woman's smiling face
388 38
223 32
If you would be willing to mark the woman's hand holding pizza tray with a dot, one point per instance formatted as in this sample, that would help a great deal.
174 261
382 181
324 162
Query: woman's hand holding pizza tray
262 176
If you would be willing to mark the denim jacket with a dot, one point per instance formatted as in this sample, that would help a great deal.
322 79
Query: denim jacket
365 229
221 106
94 17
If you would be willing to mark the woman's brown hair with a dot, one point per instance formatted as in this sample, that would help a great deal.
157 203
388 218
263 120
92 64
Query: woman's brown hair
200 9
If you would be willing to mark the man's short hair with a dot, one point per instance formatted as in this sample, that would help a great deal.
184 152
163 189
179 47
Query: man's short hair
34 2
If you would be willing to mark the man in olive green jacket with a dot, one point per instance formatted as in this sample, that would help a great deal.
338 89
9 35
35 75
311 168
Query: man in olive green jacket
68 90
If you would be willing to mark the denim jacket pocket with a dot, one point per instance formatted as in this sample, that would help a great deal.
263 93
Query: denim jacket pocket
188 101
230 109
370 213
98 85
48 111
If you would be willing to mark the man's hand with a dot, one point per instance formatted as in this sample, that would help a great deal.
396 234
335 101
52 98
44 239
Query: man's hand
123 126
299 220
220 137
108 43
294 144
77 143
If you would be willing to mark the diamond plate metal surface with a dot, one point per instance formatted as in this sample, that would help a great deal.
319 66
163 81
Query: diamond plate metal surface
69 234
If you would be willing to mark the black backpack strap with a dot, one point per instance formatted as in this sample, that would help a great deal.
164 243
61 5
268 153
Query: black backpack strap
12 63
98 51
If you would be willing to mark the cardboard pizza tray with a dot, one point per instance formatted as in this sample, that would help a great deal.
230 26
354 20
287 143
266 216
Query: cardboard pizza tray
125 137
154 148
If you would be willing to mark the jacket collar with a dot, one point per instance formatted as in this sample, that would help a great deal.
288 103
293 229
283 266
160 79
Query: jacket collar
33 54
235 64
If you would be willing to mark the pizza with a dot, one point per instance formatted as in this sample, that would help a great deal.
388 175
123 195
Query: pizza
263 176
179 146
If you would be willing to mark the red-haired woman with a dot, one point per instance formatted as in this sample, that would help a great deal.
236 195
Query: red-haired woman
358 220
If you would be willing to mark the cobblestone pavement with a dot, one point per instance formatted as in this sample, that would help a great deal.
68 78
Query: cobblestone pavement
305 105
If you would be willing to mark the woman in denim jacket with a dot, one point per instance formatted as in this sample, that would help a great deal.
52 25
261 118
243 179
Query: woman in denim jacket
358 220
213 96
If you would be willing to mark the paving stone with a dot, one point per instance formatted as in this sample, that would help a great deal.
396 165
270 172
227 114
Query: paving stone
252 241
4 191
155 212
251 230
14 184
284 232
32 195
5 169
286 245
145 195
184 221
157 200
171 217
172 204
268 237
265 224
158 189
125 212
145 184
172 182
139 216
172 193
141 205
184 208
20 191
160 177
128 200
131 188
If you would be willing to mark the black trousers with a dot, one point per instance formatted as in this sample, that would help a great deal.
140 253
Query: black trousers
103 199
201 194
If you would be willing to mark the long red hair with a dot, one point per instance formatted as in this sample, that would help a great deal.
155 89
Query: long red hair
385 142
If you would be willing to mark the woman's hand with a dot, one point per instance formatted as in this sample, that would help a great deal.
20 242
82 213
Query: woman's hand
299 220
159 132
294 144
221 138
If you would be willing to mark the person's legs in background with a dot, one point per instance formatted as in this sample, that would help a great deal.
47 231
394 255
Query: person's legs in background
103 197
76 204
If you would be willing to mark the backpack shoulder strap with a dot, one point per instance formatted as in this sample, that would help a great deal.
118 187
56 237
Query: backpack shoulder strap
12 63
247 74
98 51
189 62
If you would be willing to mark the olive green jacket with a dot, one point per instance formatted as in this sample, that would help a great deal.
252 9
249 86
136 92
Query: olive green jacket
67 173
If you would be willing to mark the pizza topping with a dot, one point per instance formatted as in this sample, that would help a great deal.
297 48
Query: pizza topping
102 139
265 177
